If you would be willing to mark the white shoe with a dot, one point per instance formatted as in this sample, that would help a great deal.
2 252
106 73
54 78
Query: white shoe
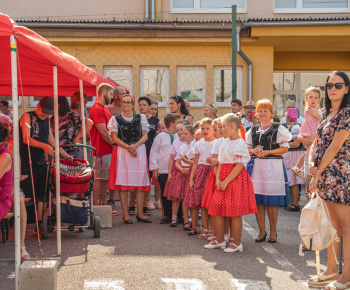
150 205
237 249
157 204
216 245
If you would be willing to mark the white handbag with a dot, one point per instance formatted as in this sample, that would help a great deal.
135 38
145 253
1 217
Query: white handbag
315 227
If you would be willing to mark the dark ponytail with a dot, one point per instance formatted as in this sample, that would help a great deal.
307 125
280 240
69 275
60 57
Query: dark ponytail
346 99
3 133
180 100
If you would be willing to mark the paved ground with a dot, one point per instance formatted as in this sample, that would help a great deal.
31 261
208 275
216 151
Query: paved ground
154 256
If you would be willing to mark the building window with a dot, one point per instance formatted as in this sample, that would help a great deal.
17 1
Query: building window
311 6
207 6
9 99
154 82
120 74
223 85
191 84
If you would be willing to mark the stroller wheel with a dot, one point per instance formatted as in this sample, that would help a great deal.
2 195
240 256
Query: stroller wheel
97 226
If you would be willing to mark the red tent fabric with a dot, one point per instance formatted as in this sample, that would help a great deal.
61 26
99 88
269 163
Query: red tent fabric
36 56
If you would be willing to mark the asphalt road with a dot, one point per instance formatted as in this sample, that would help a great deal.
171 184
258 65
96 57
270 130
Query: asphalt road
154 256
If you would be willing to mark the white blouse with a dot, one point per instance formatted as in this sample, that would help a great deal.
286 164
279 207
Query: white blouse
113 124
176 146
294 131
183 150
283 136
217 144
190 154
234 151
203 148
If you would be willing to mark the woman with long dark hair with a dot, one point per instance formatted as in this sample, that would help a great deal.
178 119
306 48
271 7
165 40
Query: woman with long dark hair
329 163
69 124
177 106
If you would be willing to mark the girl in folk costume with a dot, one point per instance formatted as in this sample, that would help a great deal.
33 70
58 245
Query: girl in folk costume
234 193
200 175
155 182
174 149
266 143
177 195
128 169
189 159
212 160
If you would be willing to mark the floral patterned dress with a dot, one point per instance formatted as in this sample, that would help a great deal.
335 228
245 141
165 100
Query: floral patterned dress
334 185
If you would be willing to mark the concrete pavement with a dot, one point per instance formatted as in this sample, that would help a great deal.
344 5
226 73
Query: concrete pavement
154 256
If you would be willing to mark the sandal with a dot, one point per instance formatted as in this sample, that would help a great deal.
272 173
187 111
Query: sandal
146 211
193 232
298 171
131 210
188 228
24 255
336 285
209 235
293 207
173 223
321 280
203 234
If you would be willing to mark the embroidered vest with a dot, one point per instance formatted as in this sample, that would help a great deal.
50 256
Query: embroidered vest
130 132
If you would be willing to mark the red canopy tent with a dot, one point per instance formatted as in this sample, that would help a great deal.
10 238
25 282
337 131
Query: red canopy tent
36 56
30 65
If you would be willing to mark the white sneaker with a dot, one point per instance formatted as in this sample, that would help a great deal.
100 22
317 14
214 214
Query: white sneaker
157 204
237 249
216 245
150 205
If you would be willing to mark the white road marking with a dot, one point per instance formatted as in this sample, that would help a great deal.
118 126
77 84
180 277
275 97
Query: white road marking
104 285
282 260
183 284
249 285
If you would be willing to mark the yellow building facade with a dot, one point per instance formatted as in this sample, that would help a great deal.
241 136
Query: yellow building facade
189 53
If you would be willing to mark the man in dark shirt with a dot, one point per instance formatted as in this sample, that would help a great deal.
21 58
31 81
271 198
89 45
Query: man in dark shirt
35 131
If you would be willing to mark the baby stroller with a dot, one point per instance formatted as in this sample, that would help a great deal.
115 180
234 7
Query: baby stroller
76 179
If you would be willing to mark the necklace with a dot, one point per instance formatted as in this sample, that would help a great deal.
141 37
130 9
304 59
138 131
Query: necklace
266 125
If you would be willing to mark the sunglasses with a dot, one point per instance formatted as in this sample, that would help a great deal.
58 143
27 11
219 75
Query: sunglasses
338 86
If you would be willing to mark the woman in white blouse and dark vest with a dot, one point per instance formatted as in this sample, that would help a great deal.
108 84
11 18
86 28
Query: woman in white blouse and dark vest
129 170
266 144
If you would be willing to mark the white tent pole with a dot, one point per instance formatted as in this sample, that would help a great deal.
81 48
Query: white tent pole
17 175
57 161
82 113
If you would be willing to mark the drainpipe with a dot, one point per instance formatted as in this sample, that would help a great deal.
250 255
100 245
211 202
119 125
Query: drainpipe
248 61
153 11
146 11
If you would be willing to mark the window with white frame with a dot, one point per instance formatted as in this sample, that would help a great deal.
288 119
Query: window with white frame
311 6
223 85
154 82
120 74
207 6
9 99
191 82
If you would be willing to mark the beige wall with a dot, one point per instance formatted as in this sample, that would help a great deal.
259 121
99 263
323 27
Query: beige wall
132 10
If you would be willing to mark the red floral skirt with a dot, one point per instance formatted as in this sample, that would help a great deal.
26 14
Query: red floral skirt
168 188
155 182
178 185
209 190
200 182
238 199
